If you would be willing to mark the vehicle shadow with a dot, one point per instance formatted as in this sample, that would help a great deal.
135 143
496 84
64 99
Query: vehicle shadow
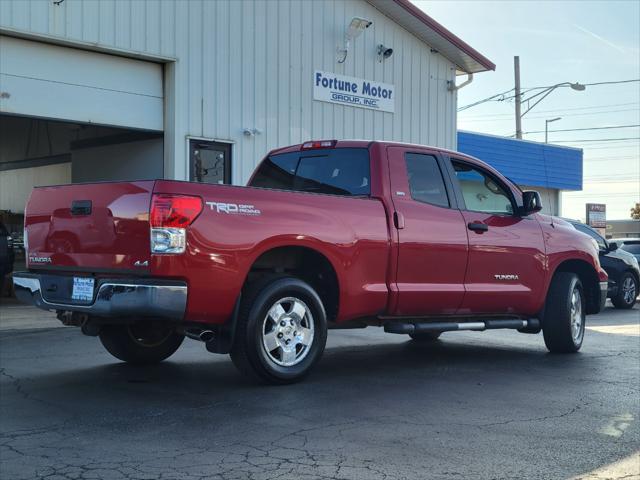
200 373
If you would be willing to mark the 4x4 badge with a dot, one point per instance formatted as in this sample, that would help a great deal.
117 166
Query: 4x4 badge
141 264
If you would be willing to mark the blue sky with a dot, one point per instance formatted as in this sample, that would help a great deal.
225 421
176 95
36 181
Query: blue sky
560 41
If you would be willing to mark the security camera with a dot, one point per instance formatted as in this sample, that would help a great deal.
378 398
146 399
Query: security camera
356 27
384 52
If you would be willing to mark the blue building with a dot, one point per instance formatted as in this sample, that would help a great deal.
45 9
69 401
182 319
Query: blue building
544 167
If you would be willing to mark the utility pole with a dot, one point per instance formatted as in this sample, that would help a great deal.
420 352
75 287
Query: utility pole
516 69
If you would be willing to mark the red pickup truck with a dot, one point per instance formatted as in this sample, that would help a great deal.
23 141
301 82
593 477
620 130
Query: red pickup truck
328 234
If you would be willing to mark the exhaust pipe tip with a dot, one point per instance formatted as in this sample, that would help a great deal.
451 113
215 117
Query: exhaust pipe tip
206 335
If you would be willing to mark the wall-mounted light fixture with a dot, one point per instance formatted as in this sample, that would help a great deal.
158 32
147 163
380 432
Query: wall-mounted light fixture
356 27
384 52
250 132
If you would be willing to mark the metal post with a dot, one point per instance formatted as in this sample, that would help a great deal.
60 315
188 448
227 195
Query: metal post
546 127
546 131
516 68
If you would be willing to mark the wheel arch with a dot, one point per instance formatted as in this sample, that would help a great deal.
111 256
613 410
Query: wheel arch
588 277
304 262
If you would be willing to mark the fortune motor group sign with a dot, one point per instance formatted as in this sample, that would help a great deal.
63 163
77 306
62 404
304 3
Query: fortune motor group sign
355 92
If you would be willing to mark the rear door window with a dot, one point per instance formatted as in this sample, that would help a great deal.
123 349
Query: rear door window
425 179
340 171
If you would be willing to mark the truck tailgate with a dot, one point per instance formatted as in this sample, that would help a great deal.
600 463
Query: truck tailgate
100 227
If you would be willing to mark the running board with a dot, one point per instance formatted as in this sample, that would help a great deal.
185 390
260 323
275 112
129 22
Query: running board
407 328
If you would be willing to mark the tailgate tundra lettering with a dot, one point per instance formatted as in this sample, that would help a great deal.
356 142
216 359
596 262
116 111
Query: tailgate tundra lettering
233 208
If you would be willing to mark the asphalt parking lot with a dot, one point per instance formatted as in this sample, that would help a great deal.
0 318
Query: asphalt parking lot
492 405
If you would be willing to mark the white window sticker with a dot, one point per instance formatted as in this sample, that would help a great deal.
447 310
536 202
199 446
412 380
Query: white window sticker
82 289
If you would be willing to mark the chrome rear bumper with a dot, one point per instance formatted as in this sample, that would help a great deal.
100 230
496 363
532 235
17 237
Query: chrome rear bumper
114 297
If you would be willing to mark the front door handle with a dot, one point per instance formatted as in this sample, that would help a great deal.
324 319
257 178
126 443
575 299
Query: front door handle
478 226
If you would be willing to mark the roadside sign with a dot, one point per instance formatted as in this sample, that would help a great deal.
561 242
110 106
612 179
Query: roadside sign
596 215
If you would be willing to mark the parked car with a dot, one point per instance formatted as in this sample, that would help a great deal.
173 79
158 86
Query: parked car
329 234
7 255
621 266
631 245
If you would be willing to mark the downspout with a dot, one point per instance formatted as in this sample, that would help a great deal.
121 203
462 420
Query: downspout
452 87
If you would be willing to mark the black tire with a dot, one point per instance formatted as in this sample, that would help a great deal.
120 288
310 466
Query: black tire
425 337
625 298
141 343
249 352
559 311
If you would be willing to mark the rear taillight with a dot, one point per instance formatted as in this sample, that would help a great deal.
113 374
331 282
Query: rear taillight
177 211
169 217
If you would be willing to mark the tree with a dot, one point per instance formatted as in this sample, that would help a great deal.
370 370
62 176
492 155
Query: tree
635 212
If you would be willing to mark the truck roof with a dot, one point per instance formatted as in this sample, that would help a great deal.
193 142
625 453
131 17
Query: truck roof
348 143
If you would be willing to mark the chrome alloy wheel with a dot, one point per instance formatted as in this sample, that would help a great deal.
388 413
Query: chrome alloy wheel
287 331
629 290
576 315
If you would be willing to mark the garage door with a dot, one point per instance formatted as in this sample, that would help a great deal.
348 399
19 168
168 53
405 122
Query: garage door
50 81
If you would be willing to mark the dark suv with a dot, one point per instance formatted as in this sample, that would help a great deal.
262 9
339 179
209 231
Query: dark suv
631 245
620 265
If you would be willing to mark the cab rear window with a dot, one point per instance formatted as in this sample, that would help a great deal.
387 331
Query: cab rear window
339 171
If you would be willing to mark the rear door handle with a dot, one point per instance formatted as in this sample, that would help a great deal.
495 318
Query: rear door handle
398 220
478 226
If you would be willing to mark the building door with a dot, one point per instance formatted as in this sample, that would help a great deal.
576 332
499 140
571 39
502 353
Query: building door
63 83
432 236
210 162
506 265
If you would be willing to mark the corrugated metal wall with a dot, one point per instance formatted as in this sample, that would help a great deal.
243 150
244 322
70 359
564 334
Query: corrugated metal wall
249 64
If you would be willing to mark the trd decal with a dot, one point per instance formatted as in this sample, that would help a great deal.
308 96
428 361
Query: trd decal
233 208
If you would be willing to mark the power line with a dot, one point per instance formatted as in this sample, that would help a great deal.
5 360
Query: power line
557 110
582 129
611 82
582 114
488 99
624 139
501 96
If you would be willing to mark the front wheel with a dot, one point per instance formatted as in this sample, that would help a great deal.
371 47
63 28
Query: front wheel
281 330
564 316
627 291
141 343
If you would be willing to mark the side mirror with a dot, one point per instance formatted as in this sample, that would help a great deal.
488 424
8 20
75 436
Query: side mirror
613 246
531 202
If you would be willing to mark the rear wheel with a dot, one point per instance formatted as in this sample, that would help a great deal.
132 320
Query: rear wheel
627 291
281 330
425 337
141 343
564 317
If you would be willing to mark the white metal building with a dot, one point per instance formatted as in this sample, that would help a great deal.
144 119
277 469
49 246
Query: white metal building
201 90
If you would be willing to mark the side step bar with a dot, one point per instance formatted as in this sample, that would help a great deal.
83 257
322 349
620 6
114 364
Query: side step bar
405 328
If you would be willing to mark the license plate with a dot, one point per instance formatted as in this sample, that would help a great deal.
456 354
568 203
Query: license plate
82 289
